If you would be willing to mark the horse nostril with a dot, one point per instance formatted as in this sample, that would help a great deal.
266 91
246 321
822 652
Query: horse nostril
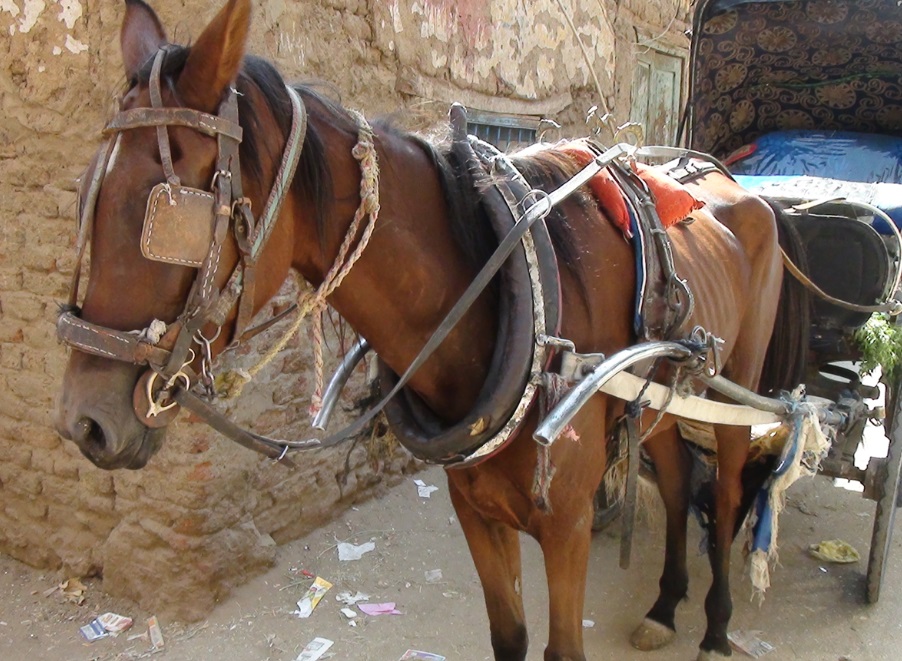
82 429
88 433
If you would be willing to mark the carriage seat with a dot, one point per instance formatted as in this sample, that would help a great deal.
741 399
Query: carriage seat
849 260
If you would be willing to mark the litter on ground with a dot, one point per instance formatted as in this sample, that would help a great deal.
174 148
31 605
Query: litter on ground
387 608
834 550
425 490
750 642
311 598
348 552
315 649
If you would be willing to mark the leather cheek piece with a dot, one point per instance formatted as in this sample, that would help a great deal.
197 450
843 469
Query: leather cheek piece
178 225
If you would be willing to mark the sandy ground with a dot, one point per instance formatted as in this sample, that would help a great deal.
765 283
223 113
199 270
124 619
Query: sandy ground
812 611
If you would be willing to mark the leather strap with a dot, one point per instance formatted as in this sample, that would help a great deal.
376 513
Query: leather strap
108 343
290 157
202 122
86 219
271 448
156 100
891 306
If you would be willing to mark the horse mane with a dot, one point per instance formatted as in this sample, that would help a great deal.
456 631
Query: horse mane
547 169
543 168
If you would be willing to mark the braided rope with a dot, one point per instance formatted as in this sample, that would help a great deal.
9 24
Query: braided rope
365 153
314 301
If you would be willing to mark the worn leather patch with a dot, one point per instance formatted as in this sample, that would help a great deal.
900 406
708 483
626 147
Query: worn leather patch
178 225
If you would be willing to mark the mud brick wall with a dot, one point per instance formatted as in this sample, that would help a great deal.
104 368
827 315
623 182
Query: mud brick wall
204 514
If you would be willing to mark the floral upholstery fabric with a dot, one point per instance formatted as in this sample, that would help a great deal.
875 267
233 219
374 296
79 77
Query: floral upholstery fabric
814 64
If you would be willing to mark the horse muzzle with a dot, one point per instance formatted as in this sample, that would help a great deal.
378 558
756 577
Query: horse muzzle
95 412
106 446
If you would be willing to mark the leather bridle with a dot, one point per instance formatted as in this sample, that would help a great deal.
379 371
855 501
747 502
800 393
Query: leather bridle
168 350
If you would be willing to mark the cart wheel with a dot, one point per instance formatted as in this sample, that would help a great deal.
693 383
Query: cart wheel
606 510
887 484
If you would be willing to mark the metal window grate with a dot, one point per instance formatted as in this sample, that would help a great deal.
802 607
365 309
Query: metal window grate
503 131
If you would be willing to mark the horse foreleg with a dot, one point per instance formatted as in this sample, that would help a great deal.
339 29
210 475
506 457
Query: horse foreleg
495 548
565 542
672 470
732 452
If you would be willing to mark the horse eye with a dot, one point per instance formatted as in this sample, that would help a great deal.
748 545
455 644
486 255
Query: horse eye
174 149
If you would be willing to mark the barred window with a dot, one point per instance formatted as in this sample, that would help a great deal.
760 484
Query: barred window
506 132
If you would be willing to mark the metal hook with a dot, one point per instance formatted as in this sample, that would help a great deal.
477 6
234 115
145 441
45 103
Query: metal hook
155 401
206 362
281 456
538 197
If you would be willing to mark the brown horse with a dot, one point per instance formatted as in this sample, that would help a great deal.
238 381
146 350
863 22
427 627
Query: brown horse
418 262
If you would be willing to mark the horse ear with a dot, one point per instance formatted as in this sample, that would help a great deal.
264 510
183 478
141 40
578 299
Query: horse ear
141 36
214 61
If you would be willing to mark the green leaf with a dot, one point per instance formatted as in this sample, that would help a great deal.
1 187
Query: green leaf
880 342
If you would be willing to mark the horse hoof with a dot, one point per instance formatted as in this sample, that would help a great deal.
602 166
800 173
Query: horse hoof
711 655
651 635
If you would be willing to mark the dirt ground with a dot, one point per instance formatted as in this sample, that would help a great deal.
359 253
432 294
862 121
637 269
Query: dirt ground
812 611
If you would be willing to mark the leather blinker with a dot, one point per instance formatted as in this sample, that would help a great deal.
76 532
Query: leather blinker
178 225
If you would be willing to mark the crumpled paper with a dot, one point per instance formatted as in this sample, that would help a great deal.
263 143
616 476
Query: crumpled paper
348 552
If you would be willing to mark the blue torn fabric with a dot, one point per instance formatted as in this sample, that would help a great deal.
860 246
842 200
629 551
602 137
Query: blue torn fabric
762 530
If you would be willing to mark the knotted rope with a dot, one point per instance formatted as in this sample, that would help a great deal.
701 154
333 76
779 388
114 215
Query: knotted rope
315 301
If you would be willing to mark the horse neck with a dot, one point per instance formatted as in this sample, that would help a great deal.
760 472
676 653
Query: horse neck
410 274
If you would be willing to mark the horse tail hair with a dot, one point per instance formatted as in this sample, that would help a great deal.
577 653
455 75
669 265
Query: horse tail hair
787 353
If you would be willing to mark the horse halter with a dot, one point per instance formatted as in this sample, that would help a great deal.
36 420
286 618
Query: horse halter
188 227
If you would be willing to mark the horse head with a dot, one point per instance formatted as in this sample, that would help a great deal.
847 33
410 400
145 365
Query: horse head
165 145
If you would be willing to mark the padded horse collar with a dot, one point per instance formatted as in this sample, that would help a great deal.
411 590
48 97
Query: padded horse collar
529 309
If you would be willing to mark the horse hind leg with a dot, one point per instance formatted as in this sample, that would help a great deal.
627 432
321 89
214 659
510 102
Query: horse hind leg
672 468
495 548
